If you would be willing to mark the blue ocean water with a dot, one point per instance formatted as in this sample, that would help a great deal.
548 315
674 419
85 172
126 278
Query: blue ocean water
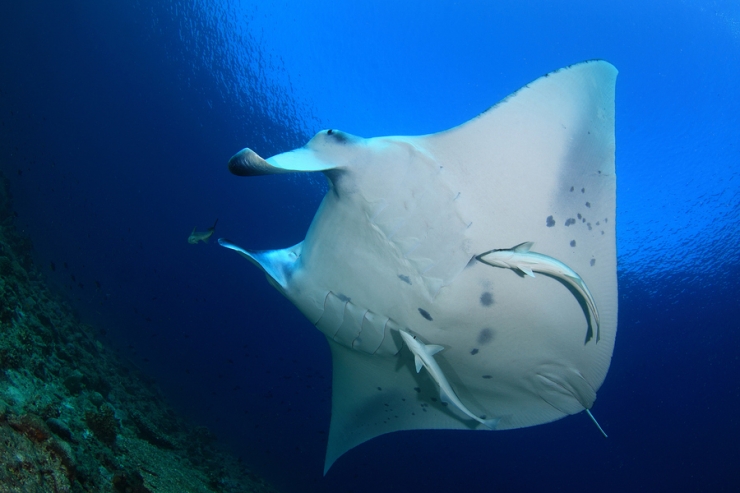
116 122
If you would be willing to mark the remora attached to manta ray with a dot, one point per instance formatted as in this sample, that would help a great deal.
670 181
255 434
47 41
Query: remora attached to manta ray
393 250
521 259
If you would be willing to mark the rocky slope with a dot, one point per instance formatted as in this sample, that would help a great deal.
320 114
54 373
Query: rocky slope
73 418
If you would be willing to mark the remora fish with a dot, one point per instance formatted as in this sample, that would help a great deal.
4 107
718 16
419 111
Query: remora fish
203 236
424 356
521 259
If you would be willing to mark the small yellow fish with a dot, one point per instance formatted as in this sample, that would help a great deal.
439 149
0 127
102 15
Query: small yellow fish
203 236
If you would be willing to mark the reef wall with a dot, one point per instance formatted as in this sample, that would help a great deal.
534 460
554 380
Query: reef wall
73 417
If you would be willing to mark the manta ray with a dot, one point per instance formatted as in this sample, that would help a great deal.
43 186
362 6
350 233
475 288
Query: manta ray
434 320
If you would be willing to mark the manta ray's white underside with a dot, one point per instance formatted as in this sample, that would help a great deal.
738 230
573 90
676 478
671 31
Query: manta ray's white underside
393 248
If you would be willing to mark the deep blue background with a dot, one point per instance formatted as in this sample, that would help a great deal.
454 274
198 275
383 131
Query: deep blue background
117 119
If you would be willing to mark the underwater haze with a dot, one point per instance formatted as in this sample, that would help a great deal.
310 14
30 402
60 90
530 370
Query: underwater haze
117 120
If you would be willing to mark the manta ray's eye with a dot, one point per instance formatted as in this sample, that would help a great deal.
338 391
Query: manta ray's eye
338 136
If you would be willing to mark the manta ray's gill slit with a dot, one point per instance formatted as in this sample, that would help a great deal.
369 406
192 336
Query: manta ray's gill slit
351 324
333 316
326 299
385 332
372 332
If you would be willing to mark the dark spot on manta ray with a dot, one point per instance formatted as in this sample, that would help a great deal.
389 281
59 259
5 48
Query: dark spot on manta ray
425 314
572 243
434 399
487 376
583 220
606 220
589 226
598 223
343 297
588 204
485 336
474 351
380 388
593 261
417 389
570 221
550 222
572 188
404 279
579 215
583 190
486 299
